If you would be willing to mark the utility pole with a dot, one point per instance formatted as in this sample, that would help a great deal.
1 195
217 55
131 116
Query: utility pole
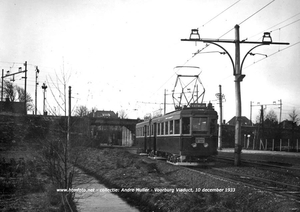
36 84
2 85
237 72
69 116
25 97
44 87
258 104
238 103
251 113
13 74
220 95
280 107
262 121
165 94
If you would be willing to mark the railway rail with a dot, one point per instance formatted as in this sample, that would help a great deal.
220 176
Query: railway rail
285 166
284 189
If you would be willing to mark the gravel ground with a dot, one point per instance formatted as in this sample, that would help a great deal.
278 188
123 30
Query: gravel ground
158 186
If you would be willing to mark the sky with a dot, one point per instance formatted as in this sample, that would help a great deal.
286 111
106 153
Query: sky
121 54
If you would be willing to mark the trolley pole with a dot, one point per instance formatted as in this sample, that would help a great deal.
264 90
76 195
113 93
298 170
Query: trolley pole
237 72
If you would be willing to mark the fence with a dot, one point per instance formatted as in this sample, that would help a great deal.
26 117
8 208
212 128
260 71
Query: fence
288 145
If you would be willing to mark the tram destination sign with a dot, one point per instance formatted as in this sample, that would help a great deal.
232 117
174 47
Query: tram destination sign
198 105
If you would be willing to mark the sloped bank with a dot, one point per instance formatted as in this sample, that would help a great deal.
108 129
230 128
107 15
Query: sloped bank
158 186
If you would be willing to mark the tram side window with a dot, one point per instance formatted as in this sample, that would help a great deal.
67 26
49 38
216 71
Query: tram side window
152 129
148 130
171 127
200 124
177 128
158 128
166 128
162 129
186 125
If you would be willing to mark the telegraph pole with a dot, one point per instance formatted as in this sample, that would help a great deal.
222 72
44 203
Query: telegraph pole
44 87
221 118
237 72
36 84
69 116
25 97
280 107
2 85
165 94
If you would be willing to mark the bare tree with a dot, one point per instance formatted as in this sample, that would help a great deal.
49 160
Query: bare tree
15 92
272 116
58 90
21 97
122 114
81 111
9 90
294 117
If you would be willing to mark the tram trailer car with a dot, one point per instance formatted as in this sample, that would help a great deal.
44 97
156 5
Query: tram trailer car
184 137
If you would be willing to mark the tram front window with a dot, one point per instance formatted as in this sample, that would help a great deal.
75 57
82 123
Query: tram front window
199 125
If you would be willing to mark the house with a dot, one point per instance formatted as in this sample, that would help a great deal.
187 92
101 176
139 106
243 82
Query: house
286 124
104 114
244 121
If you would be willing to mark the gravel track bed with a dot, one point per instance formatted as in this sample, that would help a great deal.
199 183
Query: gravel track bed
119 169
276 174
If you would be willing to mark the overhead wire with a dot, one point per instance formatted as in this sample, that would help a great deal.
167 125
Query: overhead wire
239 24
221 13
273 54
275 25
256 12
206 44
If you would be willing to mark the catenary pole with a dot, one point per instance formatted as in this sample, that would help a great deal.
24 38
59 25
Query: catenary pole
237 72
238 102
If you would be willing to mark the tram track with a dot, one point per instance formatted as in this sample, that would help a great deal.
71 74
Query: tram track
268 164
291 191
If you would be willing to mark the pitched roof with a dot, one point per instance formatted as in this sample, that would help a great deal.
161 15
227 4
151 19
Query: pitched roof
244 121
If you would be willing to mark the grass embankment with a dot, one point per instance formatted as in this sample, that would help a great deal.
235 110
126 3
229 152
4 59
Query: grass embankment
119 169
25 186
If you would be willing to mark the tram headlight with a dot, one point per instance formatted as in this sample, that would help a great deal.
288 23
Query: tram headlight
205 145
